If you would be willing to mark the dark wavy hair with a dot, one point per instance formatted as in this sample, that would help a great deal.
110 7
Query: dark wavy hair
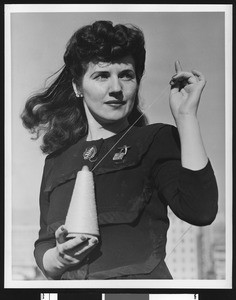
56 111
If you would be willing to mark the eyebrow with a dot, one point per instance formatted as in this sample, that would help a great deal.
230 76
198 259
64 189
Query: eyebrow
128 70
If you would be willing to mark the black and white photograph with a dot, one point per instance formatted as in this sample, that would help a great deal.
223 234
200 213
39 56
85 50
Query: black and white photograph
118 146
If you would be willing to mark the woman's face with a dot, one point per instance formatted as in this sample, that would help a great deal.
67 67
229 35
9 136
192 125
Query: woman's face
110 89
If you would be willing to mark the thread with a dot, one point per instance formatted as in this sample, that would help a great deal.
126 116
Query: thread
82 213
149 106
178 242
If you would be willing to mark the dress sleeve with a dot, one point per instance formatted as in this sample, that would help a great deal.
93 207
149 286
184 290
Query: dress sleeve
46 240
191 195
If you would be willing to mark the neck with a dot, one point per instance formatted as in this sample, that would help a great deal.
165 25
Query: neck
98 130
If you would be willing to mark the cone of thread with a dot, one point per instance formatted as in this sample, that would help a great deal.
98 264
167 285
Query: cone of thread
82 213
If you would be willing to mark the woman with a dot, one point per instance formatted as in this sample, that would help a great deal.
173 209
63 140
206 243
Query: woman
92 106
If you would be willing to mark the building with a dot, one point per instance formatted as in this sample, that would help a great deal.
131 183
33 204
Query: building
182 249
196 252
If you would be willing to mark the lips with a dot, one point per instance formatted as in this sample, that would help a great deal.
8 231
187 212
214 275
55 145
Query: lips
115 102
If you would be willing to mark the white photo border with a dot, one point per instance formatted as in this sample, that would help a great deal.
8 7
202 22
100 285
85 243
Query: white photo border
116 284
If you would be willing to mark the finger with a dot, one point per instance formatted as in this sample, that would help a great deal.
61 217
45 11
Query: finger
199 75
61 234
68 259
94 240
74 242
178 67
91 244
187 76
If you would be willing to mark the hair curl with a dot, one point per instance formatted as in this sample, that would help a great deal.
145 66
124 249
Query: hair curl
56 112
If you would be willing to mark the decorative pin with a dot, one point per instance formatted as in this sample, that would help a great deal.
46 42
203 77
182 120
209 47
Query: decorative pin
120 155
90 153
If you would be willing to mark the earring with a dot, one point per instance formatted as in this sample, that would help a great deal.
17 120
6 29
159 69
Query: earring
79 95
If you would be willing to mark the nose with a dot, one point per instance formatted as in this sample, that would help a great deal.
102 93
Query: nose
115 86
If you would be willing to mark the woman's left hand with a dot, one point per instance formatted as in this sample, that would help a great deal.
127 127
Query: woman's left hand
186 89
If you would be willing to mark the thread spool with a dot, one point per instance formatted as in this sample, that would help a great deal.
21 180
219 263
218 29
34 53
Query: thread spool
82 213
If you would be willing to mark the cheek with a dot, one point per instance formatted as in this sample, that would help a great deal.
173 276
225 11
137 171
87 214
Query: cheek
94 94
131 93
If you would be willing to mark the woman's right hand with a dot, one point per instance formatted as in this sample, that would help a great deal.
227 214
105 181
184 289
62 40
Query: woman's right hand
67 253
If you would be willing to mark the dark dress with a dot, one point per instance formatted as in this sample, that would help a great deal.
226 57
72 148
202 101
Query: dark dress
132 196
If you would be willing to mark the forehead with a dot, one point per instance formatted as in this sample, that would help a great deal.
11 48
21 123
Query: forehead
126 62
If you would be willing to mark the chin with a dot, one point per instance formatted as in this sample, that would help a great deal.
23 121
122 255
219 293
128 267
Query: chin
114 120
114 117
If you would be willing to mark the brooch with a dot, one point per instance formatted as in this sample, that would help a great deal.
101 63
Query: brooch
123 151
90 153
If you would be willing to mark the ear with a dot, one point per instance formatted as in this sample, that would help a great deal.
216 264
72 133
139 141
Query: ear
75 88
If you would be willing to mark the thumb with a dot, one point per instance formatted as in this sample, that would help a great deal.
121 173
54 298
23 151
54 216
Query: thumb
61 234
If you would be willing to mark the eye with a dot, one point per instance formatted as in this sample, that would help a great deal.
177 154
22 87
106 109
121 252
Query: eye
127 75
101 76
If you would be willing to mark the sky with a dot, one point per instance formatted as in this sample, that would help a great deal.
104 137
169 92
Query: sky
38 41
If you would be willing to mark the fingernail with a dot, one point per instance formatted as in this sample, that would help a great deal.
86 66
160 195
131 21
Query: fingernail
171 82
94 241
62 228
83 238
